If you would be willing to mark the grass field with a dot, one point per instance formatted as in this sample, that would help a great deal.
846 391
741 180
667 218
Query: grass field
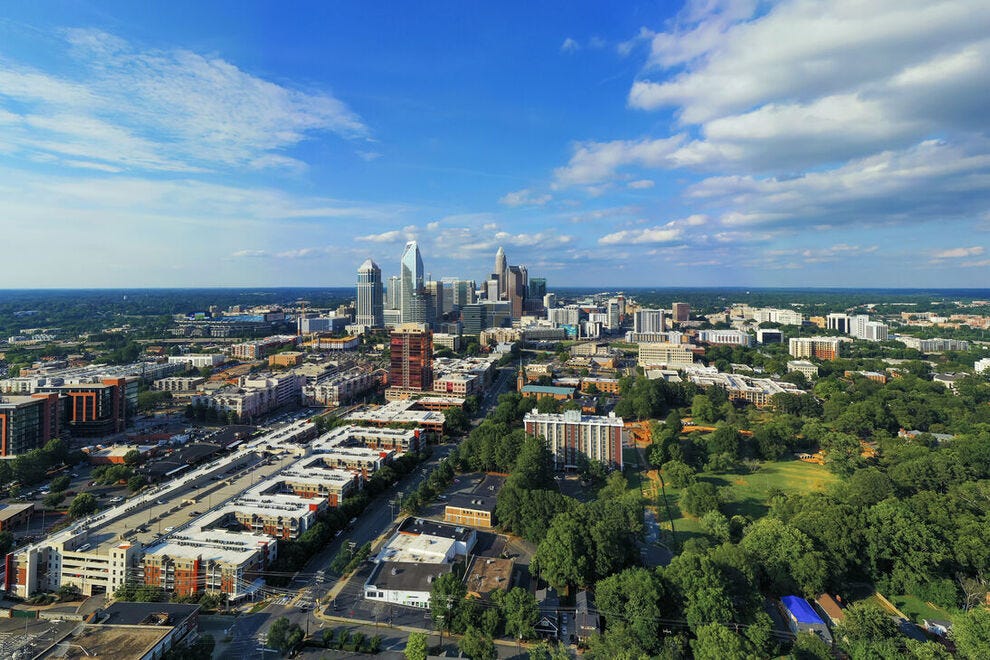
916 609
746 494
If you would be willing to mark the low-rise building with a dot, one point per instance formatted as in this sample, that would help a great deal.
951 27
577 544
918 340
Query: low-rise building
138 631
665 354
809 369
12 515
802 618
472 510
178 383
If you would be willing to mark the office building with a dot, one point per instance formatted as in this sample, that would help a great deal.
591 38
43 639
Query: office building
725 337
411 280
572 435
411 363
370 301
769 336
392 293
486 314
537 289
27 422
681 312
823 348
838 322
665 354
500 274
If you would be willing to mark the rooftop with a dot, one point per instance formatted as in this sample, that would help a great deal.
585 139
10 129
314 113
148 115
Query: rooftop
801 610
133 614
400 576
487 574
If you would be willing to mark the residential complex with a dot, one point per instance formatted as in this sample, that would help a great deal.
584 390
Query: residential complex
571 435
822 348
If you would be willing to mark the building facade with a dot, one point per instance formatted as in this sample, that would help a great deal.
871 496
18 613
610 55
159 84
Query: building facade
370 301
570 435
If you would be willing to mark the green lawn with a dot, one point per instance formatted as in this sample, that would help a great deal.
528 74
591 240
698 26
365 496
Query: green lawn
916 609
746 494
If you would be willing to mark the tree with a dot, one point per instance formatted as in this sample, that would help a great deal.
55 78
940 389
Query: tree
53 499
716 642
866 622
284 636
477 646
83 505
521 612
971 633
136 483
786 557
678 474
446 598
633 598
61 482
810 646
700 498
133 457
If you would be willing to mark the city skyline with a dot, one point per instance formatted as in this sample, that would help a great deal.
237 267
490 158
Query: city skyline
705 144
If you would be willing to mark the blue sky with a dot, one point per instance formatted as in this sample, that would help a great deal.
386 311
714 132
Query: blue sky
721 142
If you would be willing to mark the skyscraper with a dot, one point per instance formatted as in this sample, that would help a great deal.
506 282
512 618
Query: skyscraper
411 283
681 312
392 299
501 271
370 305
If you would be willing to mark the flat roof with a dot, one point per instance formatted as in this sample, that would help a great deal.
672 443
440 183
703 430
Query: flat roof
114 642
487 574
413 525
474 502
123 613
417 548
547 389
8 511
402 576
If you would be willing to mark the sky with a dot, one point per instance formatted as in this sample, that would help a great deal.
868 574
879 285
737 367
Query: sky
711 143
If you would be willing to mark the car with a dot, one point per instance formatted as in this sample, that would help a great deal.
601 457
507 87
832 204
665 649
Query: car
169 529
160 502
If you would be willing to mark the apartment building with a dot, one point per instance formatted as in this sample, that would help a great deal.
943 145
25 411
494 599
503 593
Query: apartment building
571 434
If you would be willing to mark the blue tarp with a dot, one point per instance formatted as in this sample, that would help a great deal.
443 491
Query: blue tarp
801 610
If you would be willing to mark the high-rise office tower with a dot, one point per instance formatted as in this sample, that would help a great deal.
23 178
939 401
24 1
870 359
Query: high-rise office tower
501 271
392 294
411 284
370 306
537 288
681 312
515 290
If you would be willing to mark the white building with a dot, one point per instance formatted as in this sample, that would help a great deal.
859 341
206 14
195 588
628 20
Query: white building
649 321
665 354
198 360
727 337
809 369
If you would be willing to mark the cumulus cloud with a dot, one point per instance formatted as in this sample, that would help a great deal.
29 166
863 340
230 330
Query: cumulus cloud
161 110
524 197
392 236
933 181
569 46
594 162
641 184
649 235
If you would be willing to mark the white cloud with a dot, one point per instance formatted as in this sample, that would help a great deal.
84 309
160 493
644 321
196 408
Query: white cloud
665 234
368 156
569 46
393 236
641 184
594 162
251 253
524 197
933 181
959 253
171 110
